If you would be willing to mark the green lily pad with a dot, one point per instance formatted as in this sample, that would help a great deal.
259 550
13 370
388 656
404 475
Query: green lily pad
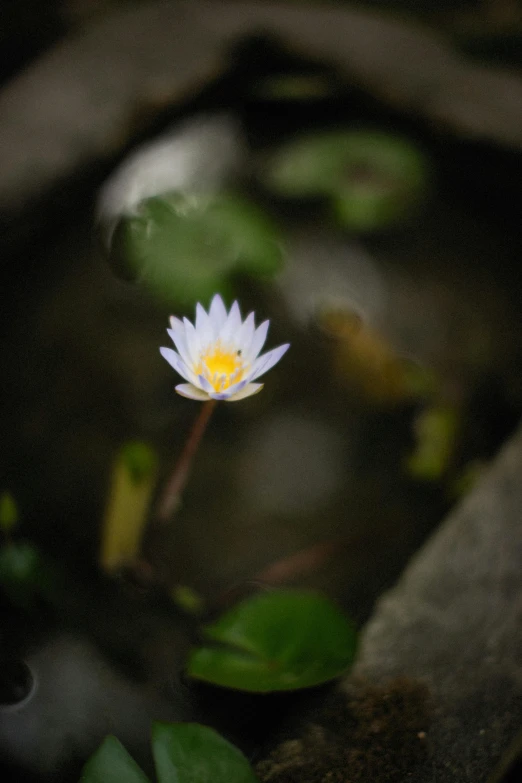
190 753
183 753
372 179
276 641
186 247
112 764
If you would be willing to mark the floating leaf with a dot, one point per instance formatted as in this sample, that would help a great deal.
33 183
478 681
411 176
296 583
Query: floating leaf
186 247
190 753
183 753
281 640
8 512
372 179
112 764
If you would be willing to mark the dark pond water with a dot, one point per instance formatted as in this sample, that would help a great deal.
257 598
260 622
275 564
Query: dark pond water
319 460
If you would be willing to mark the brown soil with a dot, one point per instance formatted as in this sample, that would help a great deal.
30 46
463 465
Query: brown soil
369 733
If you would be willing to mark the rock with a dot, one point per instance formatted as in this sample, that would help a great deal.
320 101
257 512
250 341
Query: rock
454 624
83 101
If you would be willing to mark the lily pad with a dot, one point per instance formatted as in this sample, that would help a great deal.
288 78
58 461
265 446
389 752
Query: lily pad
112 764
277 641
186 247
191 753
183 753
372 179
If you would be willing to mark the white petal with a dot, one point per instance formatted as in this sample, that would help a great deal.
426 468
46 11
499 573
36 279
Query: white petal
177 363
246 391
177 335
217 313
205 385
231 326
204 326
233 389
193 343
257 341
267 361
245 335
190 391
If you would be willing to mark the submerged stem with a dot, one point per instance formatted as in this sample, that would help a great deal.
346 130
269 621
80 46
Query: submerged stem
171 495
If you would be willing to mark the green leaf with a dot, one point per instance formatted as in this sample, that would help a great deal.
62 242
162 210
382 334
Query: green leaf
8 512
187 599
112 764
372 179
133 481
140 459
436 430
190 753
186 247
282 640
24 575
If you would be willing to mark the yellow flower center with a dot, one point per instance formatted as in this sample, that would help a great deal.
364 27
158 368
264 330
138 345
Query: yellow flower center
221 367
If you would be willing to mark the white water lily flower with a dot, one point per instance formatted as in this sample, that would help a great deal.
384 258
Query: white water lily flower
219 355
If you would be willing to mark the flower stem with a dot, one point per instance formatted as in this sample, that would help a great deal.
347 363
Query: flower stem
171 495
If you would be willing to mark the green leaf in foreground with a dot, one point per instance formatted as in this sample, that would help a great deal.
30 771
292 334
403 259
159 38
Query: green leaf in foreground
186 247
183 753
112 764
276 641
190 753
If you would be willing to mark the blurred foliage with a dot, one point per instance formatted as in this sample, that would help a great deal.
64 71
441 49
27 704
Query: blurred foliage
187 247
8 513
133 481
276 641
197 753
436 430
139 459
25 576
369 364
187 599
183 753
295 87
112 764
371 179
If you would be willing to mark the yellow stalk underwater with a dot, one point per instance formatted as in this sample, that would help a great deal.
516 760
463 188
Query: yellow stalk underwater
133 482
